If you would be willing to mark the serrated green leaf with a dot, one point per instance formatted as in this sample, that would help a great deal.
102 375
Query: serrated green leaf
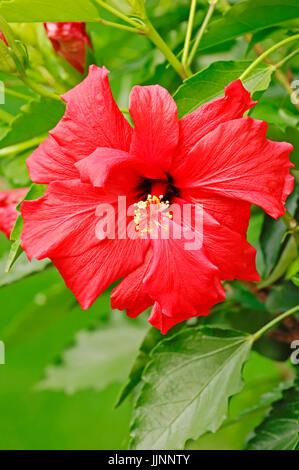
187 385
209 83
19 11
98 358
280 429
246 17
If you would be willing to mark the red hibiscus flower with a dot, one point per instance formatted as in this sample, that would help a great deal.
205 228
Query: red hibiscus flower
8 212
212 157
70 41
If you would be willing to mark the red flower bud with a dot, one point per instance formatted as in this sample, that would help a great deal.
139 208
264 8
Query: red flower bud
8 212
69 40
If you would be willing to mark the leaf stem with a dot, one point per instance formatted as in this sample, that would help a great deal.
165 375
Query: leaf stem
22 146
118 13
292 225
287 58
155 37
274 322
17 94
202 30
266 53
39 89
278 73
122 26
5 116
189 32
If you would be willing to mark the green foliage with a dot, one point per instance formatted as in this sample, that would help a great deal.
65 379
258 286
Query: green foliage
21 269
64 367
35 191
187 385
280 429
98 358
48 10
35 119
249 16
209 83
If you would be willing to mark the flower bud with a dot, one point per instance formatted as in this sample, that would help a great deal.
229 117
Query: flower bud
13 54
69 40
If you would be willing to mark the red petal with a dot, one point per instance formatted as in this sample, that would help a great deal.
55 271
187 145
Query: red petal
62 226
203 120
225 223
130 294
8 212
117 171
182 280
92 118
236 160
164 322
48 163
156 130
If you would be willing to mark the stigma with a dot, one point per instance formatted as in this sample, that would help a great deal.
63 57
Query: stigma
152 215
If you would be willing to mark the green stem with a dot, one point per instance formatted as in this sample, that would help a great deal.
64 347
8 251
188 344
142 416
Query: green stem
287 58
17 94
274 322
202 30
22 146
118 13
122 26
189 32
292 225
5 116
266 53
38 89
155 37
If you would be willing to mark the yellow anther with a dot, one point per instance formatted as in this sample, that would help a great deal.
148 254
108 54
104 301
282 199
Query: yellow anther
150 214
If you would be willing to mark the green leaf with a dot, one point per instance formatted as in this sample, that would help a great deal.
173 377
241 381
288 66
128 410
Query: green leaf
152 337
21 269
209 83
246 17
280 429
35 119
187 385
293 269
291 135
7 63
264 402
273 232
47 307
35 191
98 358
288 255
19 11
283 297
269 112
